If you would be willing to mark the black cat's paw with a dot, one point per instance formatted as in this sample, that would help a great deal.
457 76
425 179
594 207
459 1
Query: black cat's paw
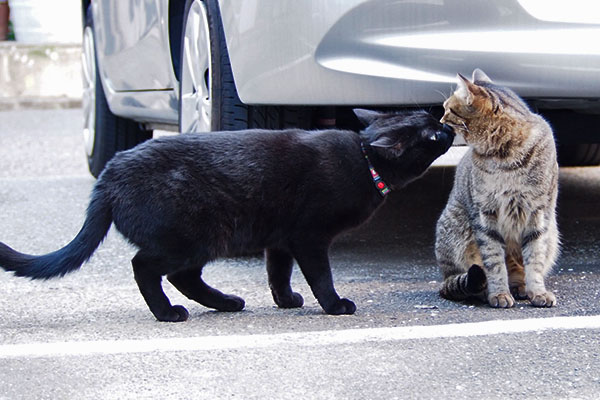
342 306
295 300
231 303
175 314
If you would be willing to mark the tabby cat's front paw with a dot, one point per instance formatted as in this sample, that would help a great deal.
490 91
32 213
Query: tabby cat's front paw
342 306
546 299
501 300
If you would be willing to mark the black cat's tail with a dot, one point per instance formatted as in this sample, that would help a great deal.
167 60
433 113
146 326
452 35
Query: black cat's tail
463 286
70 257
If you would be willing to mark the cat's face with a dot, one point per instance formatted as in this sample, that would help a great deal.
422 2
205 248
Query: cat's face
410 140
477 107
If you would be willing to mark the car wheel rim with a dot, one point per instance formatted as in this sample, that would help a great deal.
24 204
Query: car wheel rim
89 90
196 102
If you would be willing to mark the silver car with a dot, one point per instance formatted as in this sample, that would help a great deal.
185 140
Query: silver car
197 66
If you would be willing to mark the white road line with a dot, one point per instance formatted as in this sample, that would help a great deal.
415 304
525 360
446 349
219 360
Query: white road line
315 338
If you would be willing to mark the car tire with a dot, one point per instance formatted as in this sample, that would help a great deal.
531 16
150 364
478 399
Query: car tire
584 154
104 133
208 99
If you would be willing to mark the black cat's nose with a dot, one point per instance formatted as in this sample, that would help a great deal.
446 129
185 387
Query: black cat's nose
448 129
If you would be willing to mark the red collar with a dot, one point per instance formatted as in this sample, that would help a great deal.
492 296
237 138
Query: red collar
380 185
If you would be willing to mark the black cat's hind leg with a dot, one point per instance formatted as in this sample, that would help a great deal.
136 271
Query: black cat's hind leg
279 270
314 264
146 270
190 283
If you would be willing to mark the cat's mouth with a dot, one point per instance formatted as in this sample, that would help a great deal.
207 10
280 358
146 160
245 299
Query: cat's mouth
448 132
458 127
451 124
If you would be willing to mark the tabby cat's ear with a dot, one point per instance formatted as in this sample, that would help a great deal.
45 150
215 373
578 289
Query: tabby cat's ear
466 89
366 117
480 76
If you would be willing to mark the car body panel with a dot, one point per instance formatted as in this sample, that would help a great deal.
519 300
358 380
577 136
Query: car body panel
389 52
358 52
132 42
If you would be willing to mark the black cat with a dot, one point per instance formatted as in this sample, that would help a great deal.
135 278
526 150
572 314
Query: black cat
186 200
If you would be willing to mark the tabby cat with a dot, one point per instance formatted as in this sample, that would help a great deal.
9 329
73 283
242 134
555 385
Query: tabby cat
497 237
186 200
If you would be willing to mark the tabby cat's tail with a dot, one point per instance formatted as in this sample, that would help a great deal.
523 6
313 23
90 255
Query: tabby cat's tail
70 257
462 286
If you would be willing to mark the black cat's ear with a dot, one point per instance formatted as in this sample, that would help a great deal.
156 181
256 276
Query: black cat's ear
480 76
366 117
385 142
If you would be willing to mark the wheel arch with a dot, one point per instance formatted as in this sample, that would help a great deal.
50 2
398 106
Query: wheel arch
175 26
85 4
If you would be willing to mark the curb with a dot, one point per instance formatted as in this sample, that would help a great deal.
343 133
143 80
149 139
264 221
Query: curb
39 103
42 76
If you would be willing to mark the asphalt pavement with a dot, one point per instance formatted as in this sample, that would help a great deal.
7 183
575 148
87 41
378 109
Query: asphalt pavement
90 335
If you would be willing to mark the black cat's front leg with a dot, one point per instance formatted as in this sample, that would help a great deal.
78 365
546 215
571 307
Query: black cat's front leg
149 282
279 270
314 264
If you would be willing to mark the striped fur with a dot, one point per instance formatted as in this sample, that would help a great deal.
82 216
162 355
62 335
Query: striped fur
501 211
